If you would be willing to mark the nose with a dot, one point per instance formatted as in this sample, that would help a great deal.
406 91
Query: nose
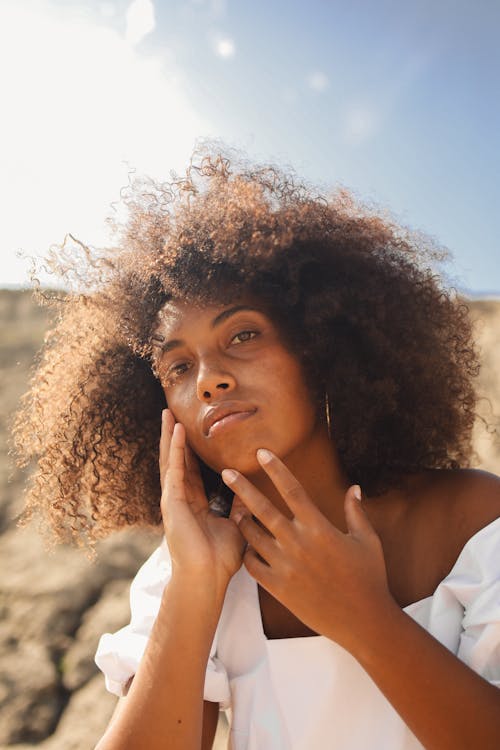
212 380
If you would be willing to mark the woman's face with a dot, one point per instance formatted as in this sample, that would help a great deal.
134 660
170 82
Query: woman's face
230 380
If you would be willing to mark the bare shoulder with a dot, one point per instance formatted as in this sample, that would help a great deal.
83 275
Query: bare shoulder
444 510
475 500
454 505
472 495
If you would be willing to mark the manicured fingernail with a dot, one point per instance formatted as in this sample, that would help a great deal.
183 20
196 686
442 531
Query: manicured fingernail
264 456
357 492
228 475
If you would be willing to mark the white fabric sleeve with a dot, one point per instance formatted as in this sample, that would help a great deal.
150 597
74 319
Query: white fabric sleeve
479 645
118 654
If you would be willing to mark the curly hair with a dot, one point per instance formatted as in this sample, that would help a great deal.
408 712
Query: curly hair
355 296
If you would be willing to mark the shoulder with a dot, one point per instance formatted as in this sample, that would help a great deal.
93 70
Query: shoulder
425 528
454 505
474 500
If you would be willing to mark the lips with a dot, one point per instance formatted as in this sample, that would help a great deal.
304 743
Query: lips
219 413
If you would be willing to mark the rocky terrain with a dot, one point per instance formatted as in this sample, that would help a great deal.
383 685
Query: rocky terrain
54 607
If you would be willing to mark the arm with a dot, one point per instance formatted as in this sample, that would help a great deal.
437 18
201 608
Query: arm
336 584
445 703
165 698
210 721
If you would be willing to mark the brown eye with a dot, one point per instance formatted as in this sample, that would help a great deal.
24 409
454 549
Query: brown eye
243 336
175 372
178 369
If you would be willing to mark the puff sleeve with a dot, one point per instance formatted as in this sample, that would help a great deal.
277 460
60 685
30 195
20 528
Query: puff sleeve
479 592
118 654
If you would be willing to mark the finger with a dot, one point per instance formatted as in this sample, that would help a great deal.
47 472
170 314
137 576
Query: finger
262 542
192 463
196 494
193 468
167 425
257 503
257 568
358 523
287 485
238 510
173 498
174 478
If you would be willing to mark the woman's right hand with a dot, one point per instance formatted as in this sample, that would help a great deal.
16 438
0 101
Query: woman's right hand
201 543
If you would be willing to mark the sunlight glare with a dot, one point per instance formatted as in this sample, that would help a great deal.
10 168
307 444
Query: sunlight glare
80 104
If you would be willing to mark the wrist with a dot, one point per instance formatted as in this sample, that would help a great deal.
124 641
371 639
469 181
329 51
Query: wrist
383 628
206 589
191 607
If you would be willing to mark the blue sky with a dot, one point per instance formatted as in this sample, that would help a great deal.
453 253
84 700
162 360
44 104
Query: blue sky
397 101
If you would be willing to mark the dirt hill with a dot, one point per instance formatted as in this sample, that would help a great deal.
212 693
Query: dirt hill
54 607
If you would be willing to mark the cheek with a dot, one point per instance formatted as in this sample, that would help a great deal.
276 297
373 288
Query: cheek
290 388
184 408
178 405
292 415
287 416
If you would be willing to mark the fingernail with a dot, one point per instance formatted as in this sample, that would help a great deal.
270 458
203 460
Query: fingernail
357 492
237 516
228 475
264 456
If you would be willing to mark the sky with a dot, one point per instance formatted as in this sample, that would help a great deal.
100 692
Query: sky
397 101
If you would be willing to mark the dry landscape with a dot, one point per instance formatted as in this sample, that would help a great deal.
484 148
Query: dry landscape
55 606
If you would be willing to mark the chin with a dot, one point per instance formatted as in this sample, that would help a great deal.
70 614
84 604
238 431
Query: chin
244 461
246 464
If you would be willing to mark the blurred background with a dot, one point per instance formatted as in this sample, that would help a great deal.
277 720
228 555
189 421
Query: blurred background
398 102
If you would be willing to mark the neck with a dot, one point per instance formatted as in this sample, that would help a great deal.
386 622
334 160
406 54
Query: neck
316 466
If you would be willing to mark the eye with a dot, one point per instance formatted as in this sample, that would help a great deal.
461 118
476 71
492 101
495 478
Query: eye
174 372
178 369
243 336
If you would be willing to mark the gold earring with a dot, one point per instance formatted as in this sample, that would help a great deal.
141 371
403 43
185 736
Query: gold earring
328 418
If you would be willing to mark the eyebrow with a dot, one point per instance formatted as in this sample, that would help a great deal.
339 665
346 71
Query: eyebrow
166 346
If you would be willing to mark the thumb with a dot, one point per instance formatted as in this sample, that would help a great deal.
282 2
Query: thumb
357 521
238 510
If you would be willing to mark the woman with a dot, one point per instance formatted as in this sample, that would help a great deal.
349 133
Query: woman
306 360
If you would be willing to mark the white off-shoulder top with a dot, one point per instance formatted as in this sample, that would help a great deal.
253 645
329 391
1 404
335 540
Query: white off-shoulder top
309 693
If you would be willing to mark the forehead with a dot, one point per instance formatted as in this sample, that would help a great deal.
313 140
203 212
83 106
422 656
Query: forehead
172 314
176 316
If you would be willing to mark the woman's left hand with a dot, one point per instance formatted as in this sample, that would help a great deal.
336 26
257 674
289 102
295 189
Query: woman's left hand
335 583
